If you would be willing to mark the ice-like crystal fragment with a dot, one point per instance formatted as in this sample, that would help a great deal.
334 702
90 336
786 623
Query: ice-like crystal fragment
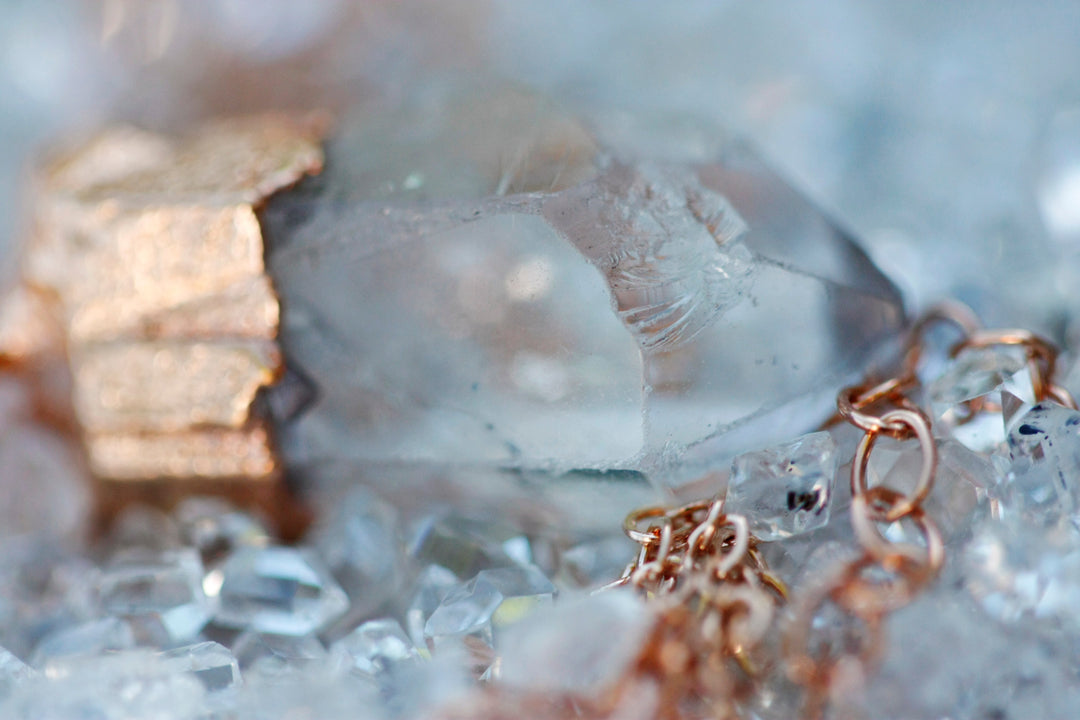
161 589
90 638
578 646
215 528
1043 485
374 648
488 603
359 538
209 662
612 318
271 655
432 586
467 545
786 489
978 395
276 590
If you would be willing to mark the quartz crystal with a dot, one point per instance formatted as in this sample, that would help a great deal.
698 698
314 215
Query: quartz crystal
432 586
209 662
784 490
276 590
1043 485
978 395
86 639
468 545
589 312
375 648
270 655
160 589
488 603
214 527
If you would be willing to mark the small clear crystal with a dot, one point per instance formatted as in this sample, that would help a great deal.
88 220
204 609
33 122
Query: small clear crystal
1043 485
467 545
786 489
432 586
490 601
159 588
209 662
271 655
376 647
981 390
90 638
276 590
215 528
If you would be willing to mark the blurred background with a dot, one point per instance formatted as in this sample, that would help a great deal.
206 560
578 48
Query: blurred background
946 135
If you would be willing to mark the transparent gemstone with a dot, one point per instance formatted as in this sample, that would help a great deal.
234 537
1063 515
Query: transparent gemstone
375 648
1043 484
215 528
209 662
786 489
359 538
978 395
487 603
578 646
467 545
161 589
432 586
90 638
276 590
607 319
595 562
271 655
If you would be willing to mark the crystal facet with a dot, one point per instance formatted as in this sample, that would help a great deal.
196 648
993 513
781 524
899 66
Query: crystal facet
271 655
276 590
375 648
1043 485
784 490
209 662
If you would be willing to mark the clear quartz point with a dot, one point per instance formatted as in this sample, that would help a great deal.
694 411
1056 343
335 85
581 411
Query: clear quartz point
374 648
210 663
489 602
468 545
786 489
162 589
276 590
612 314
214 527
978 395
1043 483
432 586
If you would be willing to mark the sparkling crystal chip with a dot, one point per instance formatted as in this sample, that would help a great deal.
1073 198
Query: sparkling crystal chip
786 489
276 590
467 545
163 588
376 647
432 586
490 601
271 655
979 394
1043 485
209 662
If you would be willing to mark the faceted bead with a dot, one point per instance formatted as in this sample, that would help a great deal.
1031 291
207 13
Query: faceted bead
432 586
375 648
271 655
209 662
276 590
359 538
786 489
487 603
1043 485
579 646
975 400
160 589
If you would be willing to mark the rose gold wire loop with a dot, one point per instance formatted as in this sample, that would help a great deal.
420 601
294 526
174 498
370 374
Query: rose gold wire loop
919 424
635 518
876 506
877 597
704 533
949 311
1061 396
851 401
1041 352
735 554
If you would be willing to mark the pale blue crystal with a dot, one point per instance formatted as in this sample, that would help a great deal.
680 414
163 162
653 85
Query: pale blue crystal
1043 485
276 590
209 662
270 655
786 489
376 647
467 545
13 671
160 588
431 588
90 638
214 527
